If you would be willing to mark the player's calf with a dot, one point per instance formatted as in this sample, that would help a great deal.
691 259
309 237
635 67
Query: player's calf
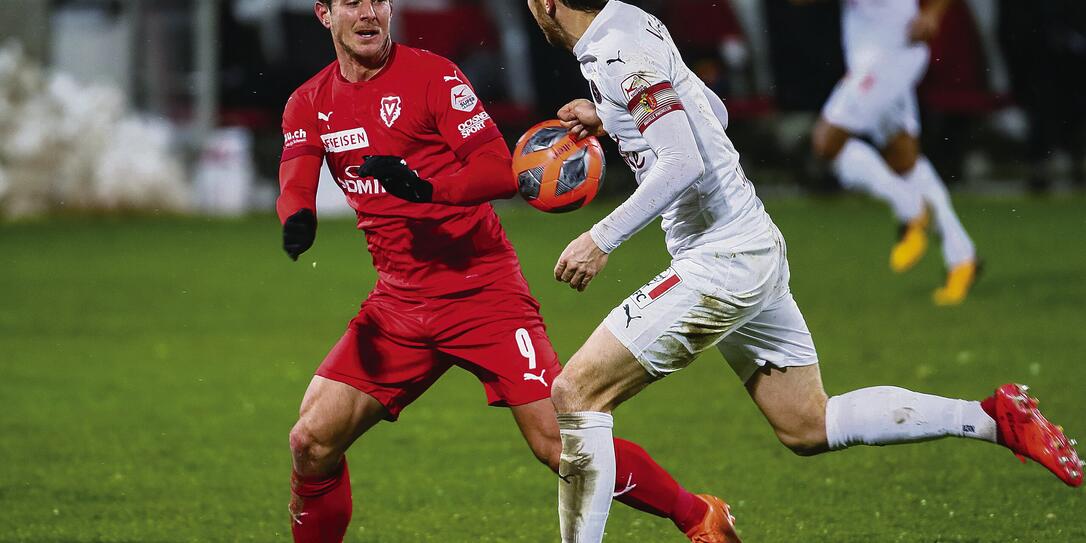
804 433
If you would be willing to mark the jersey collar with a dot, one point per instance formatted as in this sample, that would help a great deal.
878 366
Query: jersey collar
384 69
596 27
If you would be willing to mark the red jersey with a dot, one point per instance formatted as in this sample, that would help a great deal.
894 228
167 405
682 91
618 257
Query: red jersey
421 107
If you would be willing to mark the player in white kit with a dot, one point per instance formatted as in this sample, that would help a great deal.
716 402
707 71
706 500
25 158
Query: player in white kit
886 54
727 285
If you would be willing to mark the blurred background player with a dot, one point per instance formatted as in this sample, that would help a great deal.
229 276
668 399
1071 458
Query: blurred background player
450 290
870 125
727 286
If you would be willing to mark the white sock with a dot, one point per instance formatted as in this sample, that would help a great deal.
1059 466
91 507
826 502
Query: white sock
860 167
957 247
890 415
587 475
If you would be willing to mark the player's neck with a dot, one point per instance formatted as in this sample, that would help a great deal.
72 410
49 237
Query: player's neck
574 23
354 68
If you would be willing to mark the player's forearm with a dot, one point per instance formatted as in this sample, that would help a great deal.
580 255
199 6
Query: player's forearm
678 166
487 175
298 178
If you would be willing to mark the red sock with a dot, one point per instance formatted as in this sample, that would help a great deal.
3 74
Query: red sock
642 484
326 506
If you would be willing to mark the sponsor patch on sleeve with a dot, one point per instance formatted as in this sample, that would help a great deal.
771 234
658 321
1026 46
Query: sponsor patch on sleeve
463 98
294 137
652 102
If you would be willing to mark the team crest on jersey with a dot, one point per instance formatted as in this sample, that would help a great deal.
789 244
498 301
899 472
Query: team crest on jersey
390 109
633 85
656 288
649 101
596 95
463 98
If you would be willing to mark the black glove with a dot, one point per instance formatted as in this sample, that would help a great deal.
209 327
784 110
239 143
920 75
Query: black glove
397 178
299 231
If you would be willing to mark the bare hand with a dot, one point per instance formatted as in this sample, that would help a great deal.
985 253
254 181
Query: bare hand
580 262
580 119
923 28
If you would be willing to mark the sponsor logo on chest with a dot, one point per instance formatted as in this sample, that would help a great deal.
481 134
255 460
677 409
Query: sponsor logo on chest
345 140
352 183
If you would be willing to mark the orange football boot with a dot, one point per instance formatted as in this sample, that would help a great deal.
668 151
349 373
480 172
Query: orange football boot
1028 434
718 525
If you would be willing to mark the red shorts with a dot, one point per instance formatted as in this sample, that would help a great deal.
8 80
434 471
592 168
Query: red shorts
399 345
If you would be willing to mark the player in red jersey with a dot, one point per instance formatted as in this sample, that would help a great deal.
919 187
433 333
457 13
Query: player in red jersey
450 291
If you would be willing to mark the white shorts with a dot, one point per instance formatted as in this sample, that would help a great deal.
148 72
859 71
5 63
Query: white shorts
877 99
739 302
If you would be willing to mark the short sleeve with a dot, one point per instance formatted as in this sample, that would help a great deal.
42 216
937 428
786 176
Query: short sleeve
641 81
463 123
300 134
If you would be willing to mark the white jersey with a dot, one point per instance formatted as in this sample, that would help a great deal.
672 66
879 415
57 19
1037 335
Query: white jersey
637 78
872 26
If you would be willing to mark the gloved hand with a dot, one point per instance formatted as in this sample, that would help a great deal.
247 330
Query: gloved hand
299 231
397 178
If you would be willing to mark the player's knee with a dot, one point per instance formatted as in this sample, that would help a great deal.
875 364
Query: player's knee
825 143
570 395
310 454
563 394
901 164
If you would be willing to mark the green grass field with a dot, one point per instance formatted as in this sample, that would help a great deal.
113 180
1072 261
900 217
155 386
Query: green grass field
151 369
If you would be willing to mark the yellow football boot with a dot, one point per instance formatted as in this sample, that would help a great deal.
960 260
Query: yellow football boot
911 244
958 282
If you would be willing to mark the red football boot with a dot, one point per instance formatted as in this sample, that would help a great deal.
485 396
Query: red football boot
1028 434
718 525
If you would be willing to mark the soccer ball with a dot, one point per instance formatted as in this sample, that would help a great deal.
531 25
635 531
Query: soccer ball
555 173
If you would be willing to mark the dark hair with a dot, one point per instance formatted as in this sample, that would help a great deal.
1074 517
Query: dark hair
585 5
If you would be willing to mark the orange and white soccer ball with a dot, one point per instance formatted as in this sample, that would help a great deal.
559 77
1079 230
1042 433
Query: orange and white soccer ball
555 173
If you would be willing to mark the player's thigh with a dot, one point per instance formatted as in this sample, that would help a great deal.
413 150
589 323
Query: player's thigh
334 414
776 338
692 305
602 374
498 335
385 355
